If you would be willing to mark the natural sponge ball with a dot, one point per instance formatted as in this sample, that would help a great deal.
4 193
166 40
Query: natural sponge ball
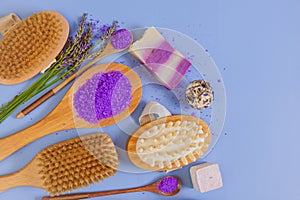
199 94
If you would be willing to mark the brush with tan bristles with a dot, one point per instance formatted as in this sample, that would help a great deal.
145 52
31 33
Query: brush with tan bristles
68 165
30 45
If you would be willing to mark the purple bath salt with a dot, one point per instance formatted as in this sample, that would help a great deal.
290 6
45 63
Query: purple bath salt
121 39
102 96
168 184
84 100
121 96
113 94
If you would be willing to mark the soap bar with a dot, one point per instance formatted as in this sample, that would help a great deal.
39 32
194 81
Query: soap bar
166 63
206 177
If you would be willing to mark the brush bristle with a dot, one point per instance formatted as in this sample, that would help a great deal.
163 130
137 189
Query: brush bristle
28 44
77 163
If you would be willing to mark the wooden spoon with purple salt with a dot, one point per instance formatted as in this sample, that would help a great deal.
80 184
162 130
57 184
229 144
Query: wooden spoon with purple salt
166 186
102 96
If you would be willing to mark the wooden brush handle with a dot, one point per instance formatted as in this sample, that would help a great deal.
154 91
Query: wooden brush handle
27 176
97 194
35 104
48 125
10 181
7 22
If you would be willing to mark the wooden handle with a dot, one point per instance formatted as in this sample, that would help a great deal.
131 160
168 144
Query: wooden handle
48 125
35 104
7 22
10 181
96 194
27 176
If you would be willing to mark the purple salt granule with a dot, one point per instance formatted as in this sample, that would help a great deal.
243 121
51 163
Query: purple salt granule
168 184
102 96
121 39
113 94
84 99
121 96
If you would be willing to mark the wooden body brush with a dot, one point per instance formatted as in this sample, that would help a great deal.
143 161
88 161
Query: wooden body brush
63 117
68 165
167 142
30 45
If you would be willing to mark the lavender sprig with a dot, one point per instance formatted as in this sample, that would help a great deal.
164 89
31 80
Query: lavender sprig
101 41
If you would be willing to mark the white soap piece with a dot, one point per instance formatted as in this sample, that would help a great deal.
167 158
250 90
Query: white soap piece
206 177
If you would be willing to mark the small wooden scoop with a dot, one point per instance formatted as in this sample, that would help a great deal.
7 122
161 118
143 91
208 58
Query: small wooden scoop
153 187
62 117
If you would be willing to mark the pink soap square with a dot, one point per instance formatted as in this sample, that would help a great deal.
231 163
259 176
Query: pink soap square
206 177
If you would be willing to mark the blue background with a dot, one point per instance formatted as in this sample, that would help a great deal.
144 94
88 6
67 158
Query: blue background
256 46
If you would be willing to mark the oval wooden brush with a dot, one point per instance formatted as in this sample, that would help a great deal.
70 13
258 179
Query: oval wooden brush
31 45
167 142
68 165
63 118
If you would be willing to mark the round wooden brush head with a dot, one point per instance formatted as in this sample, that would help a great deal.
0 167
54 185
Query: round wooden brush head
77 162
31 45
169 143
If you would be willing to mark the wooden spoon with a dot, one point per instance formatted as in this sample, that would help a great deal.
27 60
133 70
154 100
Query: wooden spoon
63 117
109 49
153 187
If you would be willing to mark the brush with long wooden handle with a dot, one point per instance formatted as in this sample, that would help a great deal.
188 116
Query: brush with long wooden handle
119 41
67 165
63 117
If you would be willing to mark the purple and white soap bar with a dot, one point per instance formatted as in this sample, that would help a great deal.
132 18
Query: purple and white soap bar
166 63
206 177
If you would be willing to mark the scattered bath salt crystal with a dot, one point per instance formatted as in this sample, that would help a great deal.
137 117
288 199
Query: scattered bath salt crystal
168 184
121 39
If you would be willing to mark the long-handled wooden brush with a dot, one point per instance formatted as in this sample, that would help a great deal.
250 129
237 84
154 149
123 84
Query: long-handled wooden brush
68 165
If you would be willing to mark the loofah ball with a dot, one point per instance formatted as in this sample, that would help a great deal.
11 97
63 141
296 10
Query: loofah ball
199 94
